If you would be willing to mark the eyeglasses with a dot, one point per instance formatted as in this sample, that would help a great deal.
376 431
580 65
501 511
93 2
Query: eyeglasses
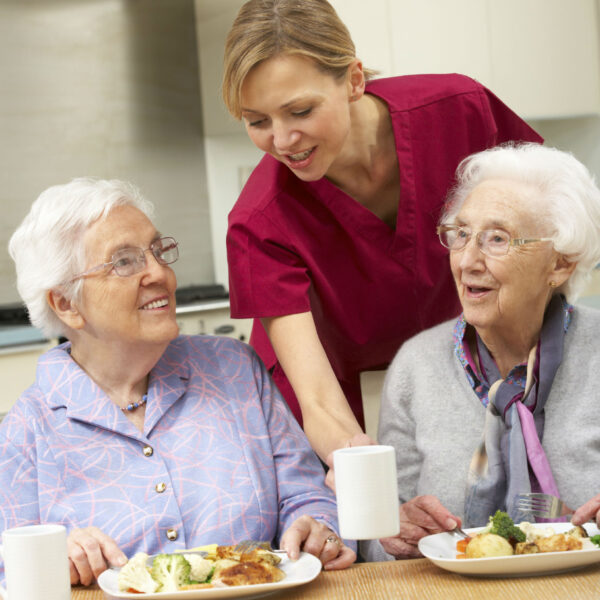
129 261
492 242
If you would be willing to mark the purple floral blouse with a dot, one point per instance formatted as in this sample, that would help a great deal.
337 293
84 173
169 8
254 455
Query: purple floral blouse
220 460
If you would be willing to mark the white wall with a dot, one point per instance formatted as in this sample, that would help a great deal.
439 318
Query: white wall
230 155
109 89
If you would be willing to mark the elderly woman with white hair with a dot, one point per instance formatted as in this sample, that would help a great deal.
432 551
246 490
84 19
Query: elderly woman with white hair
502 400
133 437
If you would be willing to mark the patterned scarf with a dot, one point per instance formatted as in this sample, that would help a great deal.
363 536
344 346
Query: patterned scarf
510 459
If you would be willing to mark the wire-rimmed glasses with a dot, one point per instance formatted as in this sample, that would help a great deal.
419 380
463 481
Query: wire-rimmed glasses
492 242
129 261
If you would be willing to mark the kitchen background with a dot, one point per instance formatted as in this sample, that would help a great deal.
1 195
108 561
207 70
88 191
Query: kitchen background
131 89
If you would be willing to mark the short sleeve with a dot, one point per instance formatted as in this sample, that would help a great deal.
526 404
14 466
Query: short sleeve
266 276
506 125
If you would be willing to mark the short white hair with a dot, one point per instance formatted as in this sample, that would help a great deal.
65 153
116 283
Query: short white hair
48 248
568 192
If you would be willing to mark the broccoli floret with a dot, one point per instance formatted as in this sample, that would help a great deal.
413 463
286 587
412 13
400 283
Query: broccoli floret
135 575
501 524
170 571
595 539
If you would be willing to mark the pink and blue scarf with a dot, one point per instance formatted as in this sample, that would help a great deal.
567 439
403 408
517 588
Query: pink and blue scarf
510 459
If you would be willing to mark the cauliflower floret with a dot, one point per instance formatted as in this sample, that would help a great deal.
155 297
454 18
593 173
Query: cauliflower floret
534 533
136 576
201 568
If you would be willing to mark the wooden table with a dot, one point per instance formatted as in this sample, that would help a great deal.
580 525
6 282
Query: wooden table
421 580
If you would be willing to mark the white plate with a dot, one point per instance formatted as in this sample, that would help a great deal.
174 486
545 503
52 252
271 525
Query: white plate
441 550
297 572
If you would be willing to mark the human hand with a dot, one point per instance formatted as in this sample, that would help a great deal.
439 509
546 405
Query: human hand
90 553
421 516
588 511
316 538
360 439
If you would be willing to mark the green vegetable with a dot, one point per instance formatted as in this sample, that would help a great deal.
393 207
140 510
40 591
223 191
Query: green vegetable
170 571
595 539
501 524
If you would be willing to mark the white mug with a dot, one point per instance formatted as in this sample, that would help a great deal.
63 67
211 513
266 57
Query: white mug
367 492
36 564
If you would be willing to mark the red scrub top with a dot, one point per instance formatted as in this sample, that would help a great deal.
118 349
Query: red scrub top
297 246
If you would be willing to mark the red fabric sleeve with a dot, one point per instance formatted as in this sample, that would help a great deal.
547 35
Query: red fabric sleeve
266 278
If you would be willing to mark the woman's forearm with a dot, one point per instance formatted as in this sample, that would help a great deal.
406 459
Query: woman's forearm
328 419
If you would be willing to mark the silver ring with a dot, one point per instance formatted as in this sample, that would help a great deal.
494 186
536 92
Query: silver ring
333 539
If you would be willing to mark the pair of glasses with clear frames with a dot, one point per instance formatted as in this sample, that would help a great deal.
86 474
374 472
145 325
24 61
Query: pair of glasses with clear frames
129 261
492 242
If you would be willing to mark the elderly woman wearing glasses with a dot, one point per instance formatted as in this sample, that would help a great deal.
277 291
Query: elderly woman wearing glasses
502 400
133 437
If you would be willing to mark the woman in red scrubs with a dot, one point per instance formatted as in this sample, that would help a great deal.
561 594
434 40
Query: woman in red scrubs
332 246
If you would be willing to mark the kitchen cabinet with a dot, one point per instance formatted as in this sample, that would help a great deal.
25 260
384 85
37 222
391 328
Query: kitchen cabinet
538 56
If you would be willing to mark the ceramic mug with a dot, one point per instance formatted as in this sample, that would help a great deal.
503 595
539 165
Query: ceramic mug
366 490
36 564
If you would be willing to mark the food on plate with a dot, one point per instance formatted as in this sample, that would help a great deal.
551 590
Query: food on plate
534 532
559 542
501 524
135 575
222 567
486 545
250 572
256 554
595 539
502 537
200 568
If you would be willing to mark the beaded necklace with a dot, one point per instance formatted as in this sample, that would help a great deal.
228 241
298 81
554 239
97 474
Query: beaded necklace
135 405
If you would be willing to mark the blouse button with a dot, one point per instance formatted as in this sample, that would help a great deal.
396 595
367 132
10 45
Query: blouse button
160 487
147 450
172 534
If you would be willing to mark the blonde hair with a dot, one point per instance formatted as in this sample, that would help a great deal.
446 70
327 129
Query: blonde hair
267 28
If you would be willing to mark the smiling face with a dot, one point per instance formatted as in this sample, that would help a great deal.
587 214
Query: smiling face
505 297
297 114
126 311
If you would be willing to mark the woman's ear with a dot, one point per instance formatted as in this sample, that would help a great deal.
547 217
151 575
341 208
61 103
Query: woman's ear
65 309
563 269
356 80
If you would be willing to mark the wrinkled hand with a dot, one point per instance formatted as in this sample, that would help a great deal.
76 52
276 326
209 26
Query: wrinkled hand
90 553
588 511
360 439
316 538
421 516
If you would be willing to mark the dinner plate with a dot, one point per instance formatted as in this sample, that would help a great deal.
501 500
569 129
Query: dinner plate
297 572
440 549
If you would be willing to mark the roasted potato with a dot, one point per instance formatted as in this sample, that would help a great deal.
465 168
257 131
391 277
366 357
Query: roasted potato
486 545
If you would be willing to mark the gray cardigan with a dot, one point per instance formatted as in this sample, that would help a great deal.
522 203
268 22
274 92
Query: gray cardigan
433 418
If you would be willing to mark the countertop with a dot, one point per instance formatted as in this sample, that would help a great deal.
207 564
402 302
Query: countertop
16 333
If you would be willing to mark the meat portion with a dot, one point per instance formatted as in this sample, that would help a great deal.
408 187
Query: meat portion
558 543
250 573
